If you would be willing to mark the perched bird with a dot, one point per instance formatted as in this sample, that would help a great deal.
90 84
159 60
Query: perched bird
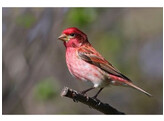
86 64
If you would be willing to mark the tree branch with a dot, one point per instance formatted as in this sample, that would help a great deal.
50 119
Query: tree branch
91 102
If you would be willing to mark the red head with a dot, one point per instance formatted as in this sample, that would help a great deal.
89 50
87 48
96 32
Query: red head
73 37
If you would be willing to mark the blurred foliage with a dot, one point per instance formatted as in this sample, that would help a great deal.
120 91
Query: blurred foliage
26 20
34 69
46 89
81 16
108 38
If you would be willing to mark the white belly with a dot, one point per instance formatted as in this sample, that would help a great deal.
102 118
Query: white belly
85 71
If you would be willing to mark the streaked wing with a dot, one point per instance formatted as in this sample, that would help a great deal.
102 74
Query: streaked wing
91 56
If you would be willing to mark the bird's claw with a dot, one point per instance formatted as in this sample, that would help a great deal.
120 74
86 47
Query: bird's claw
83 93
97 100
75 98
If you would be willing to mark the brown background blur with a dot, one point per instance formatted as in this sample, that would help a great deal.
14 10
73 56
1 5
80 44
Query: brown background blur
33 60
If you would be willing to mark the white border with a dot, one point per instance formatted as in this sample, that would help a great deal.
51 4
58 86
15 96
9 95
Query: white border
82 3
75 3
1 60
82 118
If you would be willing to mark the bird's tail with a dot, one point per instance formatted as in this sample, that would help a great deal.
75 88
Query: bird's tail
121 81
137 88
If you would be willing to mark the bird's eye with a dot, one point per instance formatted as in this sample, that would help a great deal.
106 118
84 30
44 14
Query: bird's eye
72 34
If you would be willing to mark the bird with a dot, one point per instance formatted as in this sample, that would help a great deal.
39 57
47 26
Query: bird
88 65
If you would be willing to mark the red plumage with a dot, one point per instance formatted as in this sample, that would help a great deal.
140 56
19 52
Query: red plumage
86 64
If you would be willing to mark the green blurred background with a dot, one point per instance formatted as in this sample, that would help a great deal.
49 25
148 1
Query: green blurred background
33 60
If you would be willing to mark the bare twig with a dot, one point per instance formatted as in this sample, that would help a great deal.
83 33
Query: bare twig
91 102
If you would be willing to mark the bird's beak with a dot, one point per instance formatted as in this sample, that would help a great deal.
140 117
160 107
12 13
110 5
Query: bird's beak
63 37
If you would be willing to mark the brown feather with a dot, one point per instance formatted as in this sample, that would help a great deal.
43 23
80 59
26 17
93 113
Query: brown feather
93 57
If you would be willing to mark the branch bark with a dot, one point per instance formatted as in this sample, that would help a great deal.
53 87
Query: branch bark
91 102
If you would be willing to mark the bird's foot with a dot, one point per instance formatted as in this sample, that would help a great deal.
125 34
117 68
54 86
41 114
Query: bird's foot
97 100
75 98
83 93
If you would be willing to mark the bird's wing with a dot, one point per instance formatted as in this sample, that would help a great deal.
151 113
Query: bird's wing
90 55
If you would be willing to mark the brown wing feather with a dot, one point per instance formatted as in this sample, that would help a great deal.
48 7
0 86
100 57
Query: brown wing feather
93 57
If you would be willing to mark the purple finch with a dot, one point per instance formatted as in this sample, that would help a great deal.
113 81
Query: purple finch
86 64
